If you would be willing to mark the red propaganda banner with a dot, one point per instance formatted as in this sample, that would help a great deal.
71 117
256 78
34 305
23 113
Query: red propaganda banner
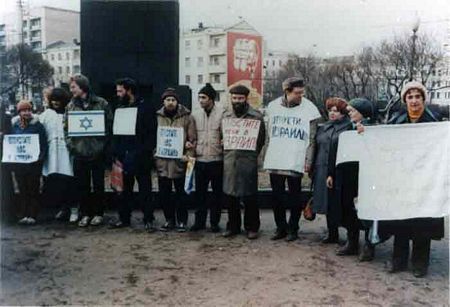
244 58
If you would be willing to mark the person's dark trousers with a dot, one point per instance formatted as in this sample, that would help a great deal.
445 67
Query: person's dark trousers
401 251
294 202
174 208
7 192
59 191
84 170
206 172
420 257
251 213
28 180
144 197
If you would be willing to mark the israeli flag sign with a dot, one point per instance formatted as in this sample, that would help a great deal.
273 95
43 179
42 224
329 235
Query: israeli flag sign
86 123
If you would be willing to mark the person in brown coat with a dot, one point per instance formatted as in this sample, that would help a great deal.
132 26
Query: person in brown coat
170 161
240 180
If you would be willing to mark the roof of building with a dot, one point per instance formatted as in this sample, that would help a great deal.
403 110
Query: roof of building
61 44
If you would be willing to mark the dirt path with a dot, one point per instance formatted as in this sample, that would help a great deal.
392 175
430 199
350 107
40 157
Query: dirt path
56 264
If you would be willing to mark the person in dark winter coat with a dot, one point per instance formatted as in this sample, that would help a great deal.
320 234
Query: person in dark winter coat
209 159
240 178
28 175
90 153
135 153
361 111
420 230
172 170
327 137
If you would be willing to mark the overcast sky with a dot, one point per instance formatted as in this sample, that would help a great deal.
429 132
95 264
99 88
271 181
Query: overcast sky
324 27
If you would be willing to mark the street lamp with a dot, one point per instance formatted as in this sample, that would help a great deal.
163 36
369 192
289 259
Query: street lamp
415 28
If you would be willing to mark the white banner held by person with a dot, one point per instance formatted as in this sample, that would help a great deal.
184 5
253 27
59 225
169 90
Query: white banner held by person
404 172
20 148
349 147
289 135
240 133
86 123
170 142
125 121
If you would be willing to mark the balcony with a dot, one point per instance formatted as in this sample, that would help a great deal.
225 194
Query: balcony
217 69
219 50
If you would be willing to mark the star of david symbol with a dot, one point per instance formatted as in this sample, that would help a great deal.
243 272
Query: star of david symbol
86 123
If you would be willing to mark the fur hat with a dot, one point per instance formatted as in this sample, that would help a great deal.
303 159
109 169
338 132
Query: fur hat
414 85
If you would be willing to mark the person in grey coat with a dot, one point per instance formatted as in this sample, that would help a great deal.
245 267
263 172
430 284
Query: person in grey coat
327 137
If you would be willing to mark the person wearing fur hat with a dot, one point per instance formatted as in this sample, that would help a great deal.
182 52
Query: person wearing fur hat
171 171
28 175
240 178
209 159
419 230
91 154
292 123
58 167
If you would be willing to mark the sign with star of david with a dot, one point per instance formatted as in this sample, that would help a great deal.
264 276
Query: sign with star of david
86 123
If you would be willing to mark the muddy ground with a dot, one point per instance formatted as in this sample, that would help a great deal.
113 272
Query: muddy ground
57 264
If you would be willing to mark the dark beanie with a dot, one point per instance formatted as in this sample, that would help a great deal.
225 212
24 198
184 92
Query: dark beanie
240 90
170 92
209 91
363 106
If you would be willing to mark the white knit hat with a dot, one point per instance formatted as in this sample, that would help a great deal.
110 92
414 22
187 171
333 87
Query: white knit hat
414 85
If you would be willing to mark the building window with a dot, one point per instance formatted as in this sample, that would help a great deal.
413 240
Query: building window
60 70
25 23
199 62
432 95
187 79
199 44
76 54
52 57
68 70
217 96
215 78
76 69
187 45
215 42
187 62
438 95
59 57
35 22
200 79
67 56
214 60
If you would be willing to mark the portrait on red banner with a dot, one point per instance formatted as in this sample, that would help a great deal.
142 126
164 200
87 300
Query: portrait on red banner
245 64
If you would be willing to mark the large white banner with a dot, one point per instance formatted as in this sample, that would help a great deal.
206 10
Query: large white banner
349 147
240 133
170 142
86 123
404 171
20 148
125 121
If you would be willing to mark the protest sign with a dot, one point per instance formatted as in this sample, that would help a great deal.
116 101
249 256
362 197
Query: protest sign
125 121
170 142
86 123
20 148
240 133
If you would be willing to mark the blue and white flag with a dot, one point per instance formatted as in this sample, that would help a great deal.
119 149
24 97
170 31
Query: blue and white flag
86 123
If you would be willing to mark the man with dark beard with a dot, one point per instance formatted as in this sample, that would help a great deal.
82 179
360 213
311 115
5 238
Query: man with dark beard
240 181
135 152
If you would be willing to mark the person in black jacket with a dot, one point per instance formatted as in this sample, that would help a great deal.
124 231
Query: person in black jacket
324 164
135 153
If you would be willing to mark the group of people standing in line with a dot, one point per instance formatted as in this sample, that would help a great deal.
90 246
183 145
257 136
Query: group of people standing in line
70 163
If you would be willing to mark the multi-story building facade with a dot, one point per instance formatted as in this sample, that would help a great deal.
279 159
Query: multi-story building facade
205 55
65 60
